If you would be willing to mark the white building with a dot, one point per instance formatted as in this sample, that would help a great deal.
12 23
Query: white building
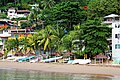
14 13
34 6
3 37
116 40
114 22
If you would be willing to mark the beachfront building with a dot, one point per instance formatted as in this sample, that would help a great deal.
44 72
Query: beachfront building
3 37
3 34
7 30
14 13
17 33
113 21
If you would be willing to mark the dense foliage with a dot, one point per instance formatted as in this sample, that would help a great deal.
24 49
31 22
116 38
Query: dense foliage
72 25
95 37
101 8
68 12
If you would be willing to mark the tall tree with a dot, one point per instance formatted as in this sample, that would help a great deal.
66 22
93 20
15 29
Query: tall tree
101 8
47 4
72 36
14 44
95 37
69 12
46 36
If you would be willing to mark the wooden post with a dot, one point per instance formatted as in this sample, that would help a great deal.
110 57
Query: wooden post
95 60
102 60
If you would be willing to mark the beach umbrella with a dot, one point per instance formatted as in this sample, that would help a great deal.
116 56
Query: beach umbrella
56 54
19 54
100 56
68 54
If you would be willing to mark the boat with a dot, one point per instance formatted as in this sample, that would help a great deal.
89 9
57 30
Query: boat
51 59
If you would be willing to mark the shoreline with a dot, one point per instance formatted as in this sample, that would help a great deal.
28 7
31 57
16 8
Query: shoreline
63 68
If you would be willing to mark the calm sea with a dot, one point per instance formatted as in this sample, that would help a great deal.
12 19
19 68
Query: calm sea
11 74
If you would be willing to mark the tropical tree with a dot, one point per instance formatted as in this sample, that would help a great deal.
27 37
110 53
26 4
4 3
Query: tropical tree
35 18
69 12
24 44
59 32
46 36
33 42
95 37
46 4
101 8
70 38
12 44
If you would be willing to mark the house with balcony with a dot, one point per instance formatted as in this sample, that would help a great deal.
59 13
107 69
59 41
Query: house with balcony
113 21
19 33
8 31
14 13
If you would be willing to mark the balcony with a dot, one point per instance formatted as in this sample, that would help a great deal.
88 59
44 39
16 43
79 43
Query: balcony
111 18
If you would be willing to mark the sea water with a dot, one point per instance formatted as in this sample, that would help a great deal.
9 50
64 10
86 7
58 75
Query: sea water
13 74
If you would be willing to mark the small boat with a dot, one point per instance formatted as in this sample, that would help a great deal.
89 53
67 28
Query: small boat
51 59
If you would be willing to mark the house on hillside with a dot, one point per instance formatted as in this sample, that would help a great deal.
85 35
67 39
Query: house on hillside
3 34
14 13
20 33
12 32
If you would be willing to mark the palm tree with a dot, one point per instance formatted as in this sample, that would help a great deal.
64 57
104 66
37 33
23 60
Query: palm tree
12 44
33 42
24 44
46 36
34 17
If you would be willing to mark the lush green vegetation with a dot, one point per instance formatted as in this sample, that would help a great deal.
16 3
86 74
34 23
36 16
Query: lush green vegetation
67 21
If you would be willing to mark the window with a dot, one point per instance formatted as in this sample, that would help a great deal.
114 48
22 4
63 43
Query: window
117 46
117 18
10 12
117 35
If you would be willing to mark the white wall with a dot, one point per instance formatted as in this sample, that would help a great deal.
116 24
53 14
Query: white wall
115 40
11 13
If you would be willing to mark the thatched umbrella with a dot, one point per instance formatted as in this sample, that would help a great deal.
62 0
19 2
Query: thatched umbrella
100 56
19 54
68 54
56 54
1 54
30 54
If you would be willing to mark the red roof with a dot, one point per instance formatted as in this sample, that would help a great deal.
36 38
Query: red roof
29 54
19 54
100 56
56 54
68 54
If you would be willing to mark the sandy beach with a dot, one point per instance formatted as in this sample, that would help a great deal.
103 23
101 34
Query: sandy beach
63 68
